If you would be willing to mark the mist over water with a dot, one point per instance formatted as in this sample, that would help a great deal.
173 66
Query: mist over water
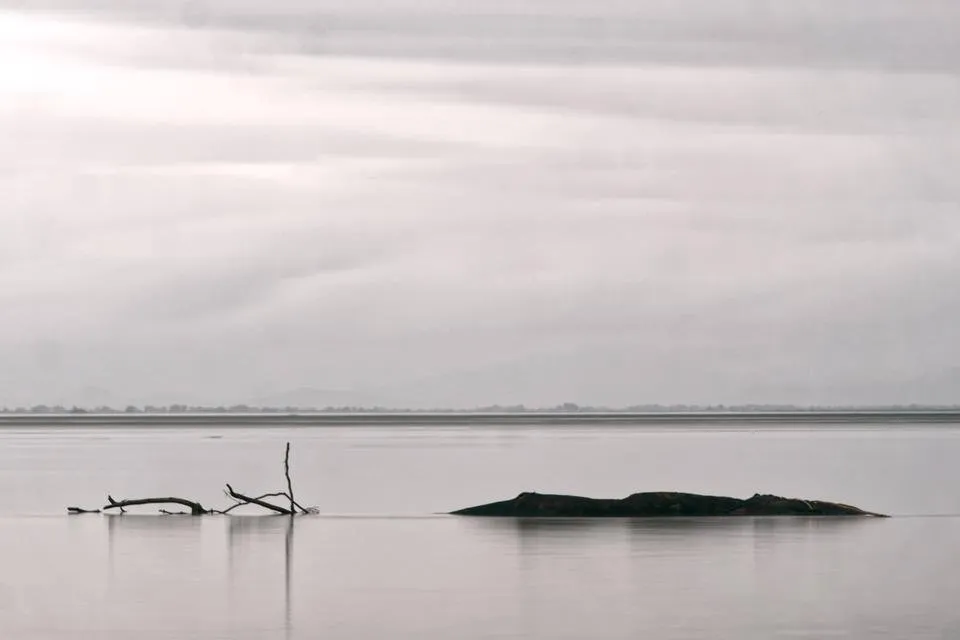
382 563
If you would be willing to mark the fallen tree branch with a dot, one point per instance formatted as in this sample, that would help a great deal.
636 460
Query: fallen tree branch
79 510
286 473
239 503
294 505
303 510
196 509
260 503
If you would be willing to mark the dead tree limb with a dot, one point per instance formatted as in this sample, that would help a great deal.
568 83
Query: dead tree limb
240 503
294 505
260 503
303 510
286 473
196 508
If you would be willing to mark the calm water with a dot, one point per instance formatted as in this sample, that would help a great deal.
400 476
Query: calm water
380 564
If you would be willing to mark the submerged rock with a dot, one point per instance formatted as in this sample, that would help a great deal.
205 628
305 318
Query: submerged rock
658 504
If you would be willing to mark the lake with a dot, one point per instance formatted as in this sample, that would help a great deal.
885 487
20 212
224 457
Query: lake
381 562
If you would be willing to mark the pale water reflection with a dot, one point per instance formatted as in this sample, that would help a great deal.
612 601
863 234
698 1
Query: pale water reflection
240 531
166 577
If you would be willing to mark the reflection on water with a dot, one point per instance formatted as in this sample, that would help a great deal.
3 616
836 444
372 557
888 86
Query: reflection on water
176 550
183 578
240 530
568 530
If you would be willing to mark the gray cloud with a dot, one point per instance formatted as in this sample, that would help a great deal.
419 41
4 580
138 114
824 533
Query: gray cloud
616 203
883 35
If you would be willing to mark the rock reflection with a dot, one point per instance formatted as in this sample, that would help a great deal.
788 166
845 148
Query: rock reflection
651 535
569 527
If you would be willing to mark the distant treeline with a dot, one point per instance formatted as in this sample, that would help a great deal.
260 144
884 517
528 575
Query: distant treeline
518 408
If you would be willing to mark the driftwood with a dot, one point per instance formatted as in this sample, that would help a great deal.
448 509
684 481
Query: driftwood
79 510
286 472
242 499
239 502
197 509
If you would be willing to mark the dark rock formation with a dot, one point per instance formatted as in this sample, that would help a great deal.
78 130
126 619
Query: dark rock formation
658 504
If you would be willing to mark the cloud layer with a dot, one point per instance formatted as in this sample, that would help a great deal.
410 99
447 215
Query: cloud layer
685 202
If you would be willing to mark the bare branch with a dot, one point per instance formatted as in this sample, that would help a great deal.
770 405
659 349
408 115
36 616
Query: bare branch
110 498
257 501
302 509
196 508
286 472
240 503
294 505
79 510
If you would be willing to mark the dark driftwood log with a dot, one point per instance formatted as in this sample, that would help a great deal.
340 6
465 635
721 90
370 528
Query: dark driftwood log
196 508
79 510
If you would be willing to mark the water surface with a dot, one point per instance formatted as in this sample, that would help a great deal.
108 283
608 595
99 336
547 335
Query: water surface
381 563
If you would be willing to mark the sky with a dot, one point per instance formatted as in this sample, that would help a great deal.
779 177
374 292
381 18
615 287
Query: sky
425 203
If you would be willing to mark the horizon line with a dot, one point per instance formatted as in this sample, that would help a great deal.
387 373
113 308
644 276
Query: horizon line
566 408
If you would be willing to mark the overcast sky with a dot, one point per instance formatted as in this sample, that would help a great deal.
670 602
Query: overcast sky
412 203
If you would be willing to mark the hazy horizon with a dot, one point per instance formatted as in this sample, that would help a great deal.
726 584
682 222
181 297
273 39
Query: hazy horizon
417 203
572 408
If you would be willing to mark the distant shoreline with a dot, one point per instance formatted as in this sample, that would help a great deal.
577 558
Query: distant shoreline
528 418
